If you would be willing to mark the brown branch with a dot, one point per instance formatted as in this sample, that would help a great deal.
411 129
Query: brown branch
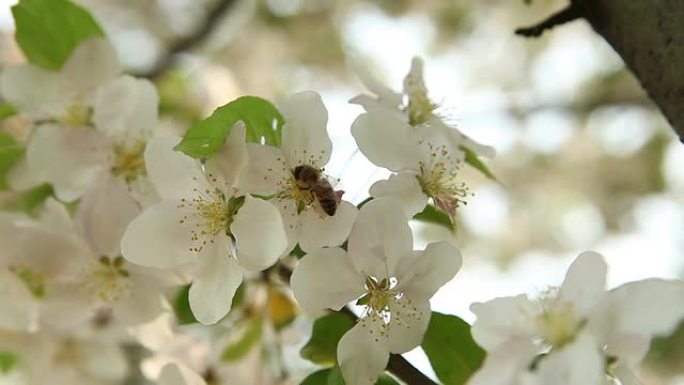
186 43
567 14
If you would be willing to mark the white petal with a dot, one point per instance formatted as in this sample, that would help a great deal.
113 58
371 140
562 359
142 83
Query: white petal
627 375
322 230
404 189
386 140
652 307
93 63
156 238
69 158
259 234
290 217
408 325
361 358
103 214
33 91
104 360
502 320
126 109
19 311
211 293
266 170
174 175
22 177
141 307
379 237
305 136
456 138
325 278
504 365
175 374
231 159
385 96
420 275
585 282
579 363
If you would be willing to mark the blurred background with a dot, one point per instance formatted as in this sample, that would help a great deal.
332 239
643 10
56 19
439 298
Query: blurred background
584 160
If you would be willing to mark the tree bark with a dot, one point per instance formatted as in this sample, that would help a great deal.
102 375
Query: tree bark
649 36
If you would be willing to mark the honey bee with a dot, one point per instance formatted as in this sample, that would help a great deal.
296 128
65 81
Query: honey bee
308 177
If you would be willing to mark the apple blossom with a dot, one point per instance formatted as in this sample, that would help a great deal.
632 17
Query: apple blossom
201 218
270 172
392 282
580 329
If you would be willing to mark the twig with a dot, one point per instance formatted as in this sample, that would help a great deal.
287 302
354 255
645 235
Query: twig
569 13
188 42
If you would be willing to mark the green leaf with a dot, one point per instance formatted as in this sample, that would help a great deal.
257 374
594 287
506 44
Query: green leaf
30 200
6 110
450 347
181 307
472 159
250 336
430 214
261 118
8 361
48 30
10 153
333 376
327 331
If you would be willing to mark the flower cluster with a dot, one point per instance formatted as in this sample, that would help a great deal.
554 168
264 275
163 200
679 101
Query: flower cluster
133 216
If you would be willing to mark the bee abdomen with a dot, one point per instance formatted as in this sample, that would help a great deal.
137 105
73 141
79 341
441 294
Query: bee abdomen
326 198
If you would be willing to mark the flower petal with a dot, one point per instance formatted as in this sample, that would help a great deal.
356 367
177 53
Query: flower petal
266 170
579 363
141 307
504 365
157 238
326 279
126 109
322 230
175 374
174 175
361 358
404 189
33 91
384 96
421 274
104 212
502 320
69 158
93 63
386 140
212 291
22 177
379 237
410 319
231 159
259 234
305 136
585 282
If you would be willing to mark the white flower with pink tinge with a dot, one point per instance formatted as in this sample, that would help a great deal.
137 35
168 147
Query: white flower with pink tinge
387 277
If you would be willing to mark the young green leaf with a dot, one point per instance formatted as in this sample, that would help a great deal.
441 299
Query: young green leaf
6 110
333 376
261 118
10 152
472 159
31 200
431 215
249 338
450 347
327 332
8 361
48 30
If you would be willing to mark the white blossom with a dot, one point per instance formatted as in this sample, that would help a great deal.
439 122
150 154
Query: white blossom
270 172
585 334
202 220
390 280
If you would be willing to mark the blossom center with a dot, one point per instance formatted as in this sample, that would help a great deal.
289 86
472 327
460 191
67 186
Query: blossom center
385 304
419 107
107 279
558 322
438 180
129 161
210 214
75 115
302 195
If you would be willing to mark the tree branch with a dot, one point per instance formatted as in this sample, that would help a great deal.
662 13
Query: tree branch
569 13
649 37
186 43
